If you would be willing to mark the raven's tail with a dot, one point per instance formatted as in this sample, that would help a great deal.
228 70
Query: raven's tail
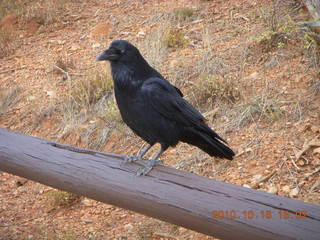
208 143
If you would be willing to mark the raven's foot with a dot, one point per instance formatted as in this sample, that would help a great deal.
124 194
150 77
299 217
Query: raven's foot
148 167
129 159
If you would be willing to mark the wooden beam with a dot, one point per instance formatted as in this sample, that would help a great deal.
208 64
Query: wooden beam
168 194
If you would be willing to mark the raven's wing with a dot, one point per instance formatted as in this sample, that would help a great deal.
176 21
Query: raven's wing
164 98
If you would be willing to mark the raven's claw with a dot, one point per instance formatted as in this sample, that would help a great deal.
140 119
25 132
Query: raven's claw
147 167
129 159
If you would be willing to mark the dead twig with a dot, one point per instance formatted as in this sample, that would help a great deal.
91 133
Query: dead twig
266 178
314 172
292 160
64 72
315 185
12 69
306 147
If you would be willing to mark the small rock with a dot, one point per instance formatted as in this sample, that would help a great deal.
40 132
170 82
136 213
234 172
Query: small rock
86 220
87 202
141 34
173 63
286 189
74 47
51 94
59 42
252 76
31 98
128 227
273 189
257 177
124 33
272 63
249 149
294 192
246 185
96 45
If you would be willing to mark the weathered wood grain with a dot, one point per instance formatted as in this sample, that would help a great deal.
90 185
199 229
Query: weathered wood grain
168 194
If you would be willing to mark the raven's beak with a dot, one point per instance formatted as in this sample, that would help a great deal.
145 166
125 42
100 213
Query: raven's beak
109 54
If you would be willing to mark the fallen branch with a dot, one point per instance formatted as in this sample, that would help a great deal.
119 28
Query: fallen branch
64 72
12 69
266 178
306 147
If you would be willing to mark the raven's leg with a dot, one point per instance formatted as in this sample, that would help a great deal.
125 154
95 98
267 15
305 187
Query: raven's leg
139 156
151 163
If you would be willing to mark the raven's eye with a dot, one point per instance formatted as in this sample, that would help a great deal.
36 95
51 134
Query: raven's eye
117 51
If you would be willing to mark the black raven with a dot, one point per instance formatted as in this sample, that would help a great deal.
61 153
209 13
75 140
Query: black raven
155 109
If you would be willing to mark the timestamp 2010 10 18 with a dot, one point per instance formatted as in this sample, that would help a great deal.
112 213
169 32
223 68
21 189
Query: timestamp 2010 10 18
262 214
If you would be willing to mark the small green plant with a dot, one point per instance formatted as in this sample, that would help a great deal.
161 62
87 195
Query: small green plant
62 199
183 13
259 108
270 40
277 33
214 87
175 39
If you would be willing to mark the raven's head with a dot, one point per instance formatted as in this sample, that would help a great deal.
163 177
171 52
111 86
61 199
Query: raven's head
120 51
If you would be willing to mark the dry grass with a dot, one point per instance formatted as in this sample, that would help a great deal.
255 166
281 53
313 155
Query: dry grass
312 48
41 114
315 85
62 199
7 44
90 110
153 48
175 39
183 14
65 63
212 87
89 90
44 11
8 99
8 7
278 27
262 108
270 39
